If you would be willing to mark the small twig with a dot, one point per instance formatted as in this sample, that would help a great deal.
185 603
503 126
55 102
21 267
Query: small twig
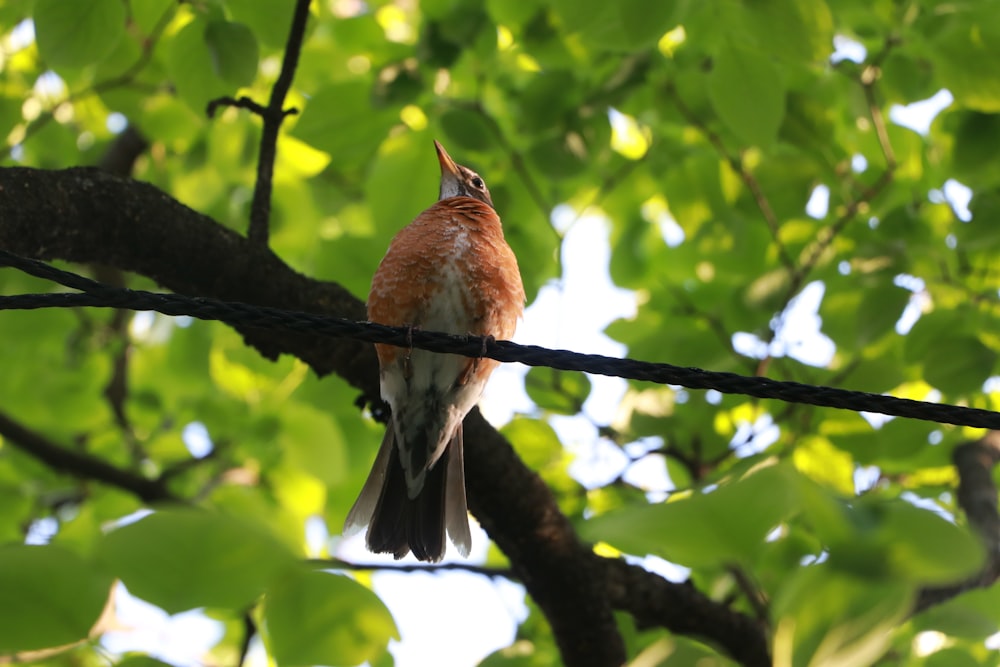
868 79
260 208
737 165
828 234
752 593
240 103
714 322
249 632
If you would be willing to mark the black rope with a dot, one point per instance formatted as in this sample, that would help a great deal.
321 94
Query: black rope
95 294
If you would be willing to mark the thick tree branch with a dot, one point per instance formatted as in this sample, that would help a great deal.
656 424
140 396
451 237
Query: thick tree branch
681 608
85 215
518 511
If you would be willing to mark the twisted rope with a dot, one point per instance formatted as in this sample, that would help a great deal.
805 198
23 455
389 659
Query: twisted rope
96 295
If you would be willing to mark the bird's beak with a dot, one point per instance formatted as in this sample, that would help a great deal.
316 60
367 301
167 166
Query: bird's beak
451 177
448 166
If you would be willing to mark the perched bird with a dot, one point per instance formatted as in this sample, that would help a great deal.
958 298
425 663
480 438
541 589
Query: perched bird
449 270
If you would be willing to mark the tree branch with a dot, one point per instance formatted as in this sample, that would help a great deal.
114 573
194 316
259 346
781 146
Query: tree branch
682 609
85 215
260 209
977 495
79 464
737 165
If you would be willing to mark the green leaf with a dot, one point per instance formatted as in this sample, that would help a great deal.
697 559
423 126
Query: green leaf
77 34
512 13
907 77
318 618
966 51
535 441
233 50
190 65
171 121
702 530
974 615
896 541
850 628
881 307
183 559
562 392
926 548
270 21
975 133
598 23
339 119
646 22
313 442
958 364
953 656
49 597
467 129
925 334
556 159
148 13
141 661
748 94
805 26
406 159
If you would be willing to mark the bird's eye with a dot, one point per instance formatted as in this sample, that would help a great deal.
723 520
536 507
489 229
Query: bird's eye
477 183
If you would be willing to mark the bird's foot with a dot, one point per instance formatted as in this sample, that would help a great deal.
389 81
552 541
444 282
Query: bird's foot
407 368
487 340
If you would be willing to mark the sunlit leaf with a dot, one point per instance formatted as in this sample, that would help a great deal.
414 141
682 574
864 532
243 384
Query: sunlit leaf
49 597
850 629
189 64
182 559
701 529
965 47
320 618
561 392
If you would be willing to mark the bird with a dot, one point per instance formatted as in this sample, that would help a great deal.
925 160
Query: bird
449 270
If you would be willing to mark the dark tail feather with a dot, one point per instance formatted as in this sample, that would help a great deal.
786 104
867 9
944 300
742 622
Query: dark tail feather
425 514
398 524
381 503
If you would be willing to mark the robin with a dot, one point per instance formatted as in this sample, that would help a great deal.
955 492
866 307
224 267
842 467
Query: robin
449 270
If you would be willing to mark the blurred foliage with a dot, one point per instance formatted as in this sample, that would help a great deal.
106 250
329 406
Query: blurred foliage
725 118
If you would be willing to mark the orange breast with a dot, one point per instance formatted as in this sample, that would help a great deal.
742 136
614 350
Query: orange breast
449 270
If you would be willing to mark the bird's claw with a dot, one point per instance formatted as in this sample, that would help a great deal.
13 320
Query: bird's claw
486 341
407 368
